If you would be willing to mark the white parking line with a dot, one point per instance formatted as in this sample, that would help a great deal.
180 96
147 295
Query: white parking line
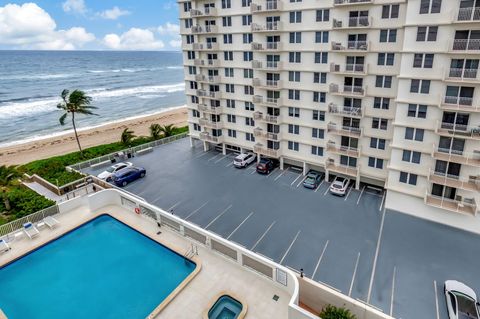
353 276
253 171
156 199
201 155
233 232
221 159
196 210
265 233
301 181
436 298
383 201
289 247
271 173
281 174
320 259
358 200
316 189
219 215
349 191
393 290
175 205
377 250
299 175
326 191
211 159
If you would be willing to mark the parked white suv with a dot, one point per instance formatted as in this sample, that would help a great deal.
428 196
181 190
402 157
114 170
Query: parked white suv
109 172
244 159
339 186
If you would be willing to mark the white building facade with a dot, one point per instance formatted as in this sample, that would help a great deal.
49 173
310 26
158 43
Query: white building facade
384 92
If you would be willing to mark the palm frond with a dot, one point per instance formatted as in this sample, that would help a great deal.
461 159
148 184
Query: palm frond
62 119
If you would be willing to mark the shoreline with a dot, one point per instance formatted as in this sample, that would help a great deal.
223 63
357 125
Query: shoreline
64 142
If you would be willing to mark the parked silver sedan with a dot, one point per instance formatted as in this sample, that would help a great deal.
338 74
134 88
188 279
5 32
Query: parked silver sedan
461 301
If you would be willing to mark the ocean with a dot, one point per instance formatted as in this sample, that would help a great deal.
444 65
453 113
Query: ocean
122 85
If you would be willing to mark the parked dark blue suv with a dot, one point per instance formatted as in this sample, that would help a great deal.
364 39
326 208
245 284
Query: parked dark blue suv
128 175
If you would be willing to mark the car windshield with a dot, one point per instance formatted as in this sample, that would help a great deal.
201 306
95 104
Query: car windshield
337 185
238 160
466 307
110 169
310 180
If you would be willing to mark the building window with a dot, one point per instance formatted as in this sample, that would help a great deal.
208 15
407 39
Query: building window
195 113
249 121
321 37
386 59
190 38
188 23
375 162
249 90
247 19
388 35
226 4
294 76
187 6
229 73
417 110
427 34
408 178
381 103
231 118
294 95
248 73
249 106
250 137
294 112
294 146
420 86
227 21
227 39
390 11
378 143
191 55
317 150
319 97
230 103
293 129
319 77
228 55
295 16
318 133
196 127
246 3
247 56
230 88
295 57
379 123
295 37
323 15
411 156
383 81
414 134
232 133
321 57
247 38
430 6
318 115
421 60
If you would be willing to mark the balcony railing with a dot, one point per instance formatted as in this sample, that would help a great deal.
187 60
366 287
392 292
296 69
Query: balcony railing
205 136
466 45
460 130
347 89
268 6
342 169
468 14
271 84
216 110
348 68
457 156
468 207
350 2
344 110
351 46
462 74
208 79
471 183
258 132
343 150
269 100
204 29
344 130
267 46
268 118
261 149
209 94
269 26
357 22
209 123
199 13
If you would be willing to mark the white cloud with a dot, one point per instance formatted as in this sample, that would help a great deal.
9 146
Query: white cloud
133 39
75 6
30 27
114 13
169 29
175 43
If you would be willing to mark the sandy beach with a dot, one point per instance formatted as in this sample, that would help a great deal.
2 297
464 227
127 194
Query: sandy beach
108 133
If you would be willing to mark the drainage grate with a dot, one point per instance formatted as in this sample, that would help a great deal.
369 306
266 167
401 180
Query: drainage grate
275 297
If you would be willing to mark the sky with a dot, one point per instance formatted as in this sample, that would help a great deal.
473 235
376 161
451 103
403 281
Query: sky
89 25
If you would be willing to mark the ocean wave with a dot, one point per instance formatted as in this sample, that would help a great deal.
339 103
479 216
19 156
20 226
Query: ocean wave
29 107
176 67
37 76
151 96
133 70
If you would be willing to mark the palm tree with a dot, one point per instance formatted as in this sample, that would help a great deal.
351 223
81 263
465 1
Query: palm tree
168 130
155 130
7 174
76 102
127 136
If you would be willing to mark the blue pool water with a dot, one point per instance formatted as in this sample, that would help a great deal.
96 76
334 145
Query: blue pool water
225 308
103 269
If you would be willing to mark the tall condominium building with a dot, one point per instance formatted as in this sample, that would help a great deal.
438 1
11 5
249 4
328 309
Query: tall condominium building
385 92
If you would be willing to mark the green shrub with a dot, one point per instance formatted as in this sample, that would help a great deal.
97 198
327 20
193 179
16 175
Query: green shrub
23 201
332 312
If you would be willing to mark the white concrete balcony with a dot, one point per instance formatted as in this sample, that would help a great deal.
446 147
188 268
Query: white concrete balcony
352 23
268 27
344 130
207 137
266 6
351 2
334 148
466 45
209 94
471 183
344 110
347 90
459 103
267 46
466 207
209 123
208 109
267 66
333 167
204 29
360 69
209 46
468 15
263 150
458 130
267 84
351 46
208 79
267 118
270 101
460 157
461 75
207 12
259 132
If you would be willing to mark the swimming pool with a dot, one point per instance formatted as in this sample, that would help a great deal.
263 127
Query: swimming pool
103 269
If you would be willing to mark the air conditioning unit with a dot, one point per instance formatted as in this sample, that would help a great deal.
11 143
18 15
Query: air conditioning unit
337 23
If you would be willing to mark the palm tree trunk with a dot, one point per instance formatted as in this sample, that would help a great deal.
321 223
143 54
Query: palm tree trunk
76 135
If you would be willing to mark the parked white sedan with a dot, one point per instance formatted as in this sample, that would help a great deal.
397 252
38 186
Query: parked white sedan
108 173
339 186
461 301
244 159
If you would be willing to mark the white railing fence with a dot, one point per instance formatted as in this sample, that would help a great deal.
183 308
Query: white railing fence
14 226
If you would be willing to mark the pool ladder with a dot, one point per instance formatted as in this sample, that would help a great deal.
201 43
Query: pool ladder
192 251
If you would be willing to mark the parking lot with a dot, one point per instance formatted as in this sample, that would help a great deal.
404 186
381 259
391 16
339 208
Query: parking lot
391 260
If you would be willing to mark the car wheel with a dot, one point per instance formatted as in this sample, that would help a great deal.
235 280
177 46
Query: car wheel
124 183
108 180
142 175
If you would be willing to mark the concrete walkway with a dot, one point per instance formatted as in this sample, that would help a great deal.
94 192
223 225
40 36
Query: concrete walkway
41 190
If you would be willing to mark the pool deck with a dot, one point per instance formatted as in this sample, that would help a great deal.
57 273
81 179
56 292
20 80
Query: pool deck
217 274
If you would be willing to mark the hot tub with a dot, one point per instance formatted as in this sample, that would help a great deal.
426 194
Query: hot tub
226 307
